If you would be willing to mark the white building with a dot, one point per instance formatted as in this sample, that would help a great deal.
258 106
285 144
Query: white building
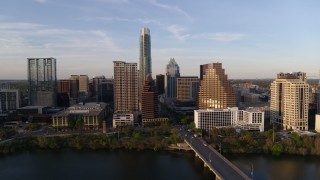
317 128
122 119
289 103
208 119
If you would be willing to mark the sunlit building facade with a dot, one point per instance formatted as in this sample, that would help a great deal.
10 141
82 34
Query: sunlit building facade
215 91
289 103
125 87
187 88
207 119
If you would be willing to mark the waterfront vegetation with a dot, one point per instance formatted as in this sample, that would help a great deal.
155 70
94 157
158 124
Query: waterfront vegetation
158 138
263 143
154 138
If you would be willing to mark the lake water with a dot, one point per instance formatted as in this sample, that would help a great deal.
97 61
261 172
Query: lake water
67 164
284 167
44 165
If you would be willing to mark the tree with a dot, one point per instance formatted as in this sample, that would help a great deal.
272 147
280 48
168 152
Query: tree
277 149
192 125
317 145
79 124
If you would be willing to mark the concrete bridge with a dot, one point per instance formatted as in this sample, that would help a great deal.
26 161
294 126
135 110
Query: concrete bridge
218 164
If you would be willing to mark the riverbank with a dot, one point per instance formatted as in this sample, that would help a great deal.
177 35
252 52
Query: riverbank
132 139
228 141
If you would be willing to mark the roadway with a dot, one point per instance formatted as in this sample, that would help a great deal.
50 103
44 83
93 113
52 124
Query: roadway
223 167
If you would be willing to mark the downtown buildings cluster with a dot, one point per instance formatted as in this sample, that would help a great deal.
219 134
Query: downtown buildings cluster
133 97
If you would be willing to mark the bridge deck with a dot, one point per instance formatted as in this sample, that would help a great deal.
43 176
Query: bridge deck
222 167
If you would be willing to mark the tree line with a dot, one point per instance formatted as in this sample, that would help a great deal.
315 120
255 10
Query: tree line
267 142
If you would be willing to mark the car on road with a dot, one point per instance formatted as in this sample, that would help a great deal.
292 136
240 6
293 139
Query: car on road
189 130
205 144
195 135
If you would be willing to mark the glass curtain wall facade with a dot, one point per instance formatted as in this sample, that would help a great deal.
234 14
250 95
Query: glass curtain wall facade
42 76
145 58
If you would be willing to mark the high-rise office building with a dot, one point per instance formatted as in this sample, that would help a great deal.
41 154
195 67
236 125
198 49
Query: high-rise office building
149 104
215 91
105 91
69 87
145 67
96 83
84 84
160 83
172 73
42 78
125 87
290 101
187 88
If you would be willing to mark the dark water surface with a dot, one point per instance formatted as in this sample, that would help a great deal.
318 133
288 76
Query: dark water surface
282 167
67 164
43 165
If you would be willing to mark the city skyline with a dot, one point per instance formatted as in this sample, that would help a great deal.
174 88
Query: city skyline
252 39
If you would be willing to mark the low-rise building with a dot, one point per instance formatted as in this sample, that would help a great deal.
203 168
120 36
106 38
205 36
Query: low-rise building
122 119
91 114
207 119
154 121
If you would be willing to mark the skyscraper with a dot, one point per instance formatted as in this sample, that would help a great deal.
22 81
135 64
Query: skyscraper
145 58
160 83
187 88
149 104
172 73
84 84
42 78
215 91
290 101
125 87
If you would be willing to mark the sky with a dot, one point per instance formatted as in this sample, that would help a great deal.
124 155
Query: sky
252 39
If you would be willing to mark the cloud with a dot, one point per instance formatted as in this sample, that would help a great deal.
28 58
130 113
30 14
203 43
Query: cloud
41 1
178 32
220 36
137 20
27 38
170 8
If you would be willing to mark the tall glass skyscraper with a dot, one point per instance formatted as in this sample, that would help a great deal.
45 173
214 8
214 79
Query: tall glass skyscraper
172 73
145 58
42 76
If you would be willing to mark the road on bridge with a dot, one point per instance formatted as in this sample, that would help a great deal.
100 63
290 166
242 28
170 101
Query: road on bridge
220 164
